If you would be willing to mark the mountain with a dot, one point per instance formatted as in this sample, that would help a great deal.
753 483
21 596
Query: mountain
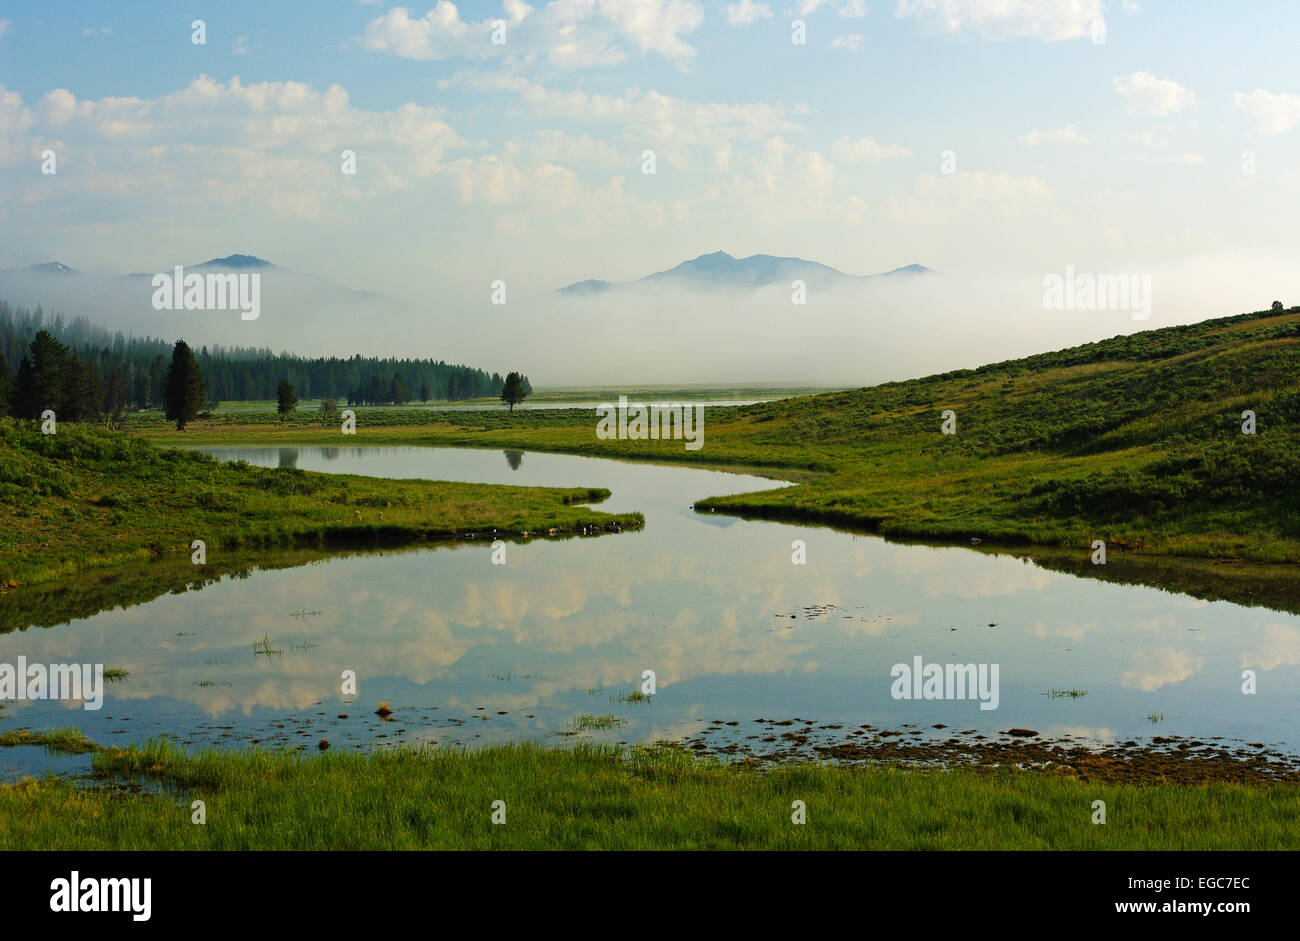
719 270
288 300
55 268
236 261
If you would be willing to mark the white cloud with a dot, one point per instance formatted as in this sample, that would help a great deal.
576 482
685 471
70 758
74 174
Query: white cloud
1062 135
1144 94
940 201
853 9
673 127
1272 114
89 31
6 27
1156 668
240 46
1174 160
866 150
270 146
1278 647
852 42
569 33
746 12
808 7
1047 20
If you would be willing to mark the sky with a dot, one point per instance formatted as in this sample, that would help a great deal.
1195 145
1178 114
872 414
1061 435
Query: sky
997 141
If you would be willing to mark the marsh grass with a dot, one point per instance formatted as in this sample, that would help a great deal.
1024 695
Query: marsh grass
635 697
55 524
69 741
599 797
592 723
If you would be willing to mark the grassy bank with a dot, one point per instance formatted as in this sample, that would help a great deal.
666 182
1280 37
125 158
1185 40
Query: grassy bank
594 798
86 499
1135 440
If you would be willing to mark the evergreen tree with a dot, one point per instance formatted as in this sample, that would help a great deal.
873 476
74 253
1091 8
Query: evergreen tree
81 396
6 387
115 396
42 378
184 386
399 393
425 391
286 399
21 398
514 392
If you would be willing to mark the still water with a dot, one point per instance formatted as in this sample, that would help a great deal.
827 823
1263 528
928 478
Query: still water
469 652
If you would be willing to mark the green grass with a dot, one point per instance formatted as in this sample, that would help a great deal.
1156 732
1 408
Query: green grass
1134 440
591 723
603 798
69 741
87 499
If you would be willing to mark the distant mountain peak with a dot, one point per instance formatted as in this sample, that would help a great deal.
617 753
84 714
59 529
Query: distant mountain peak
51 267
722 270
236 261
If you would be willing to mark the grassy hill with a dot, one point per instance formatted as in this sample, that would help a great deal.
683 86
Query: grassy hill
1136 440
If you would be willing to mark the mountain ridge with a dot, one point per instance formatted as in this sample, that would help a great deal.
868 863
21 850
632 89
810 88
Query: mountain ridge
720 269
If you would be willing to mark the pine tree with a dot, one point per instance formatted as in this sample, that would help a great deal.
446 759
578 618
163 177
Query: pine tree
42 378
6 387
184 386
399 393
286 398
514 392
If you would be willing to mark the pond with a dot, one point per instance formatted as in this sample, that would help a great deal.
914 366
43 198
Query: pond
553 645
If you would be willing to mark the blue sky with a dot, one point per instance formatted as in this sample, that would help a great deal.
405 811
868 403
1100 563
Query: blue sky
522 161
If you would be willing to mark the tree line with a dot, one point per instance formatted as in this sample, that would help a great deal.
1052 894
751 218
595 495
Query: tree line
137 368
53 380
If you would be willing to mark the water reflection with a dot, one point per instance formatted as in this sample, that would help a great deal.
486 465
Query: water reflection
288 457
468 651
514 459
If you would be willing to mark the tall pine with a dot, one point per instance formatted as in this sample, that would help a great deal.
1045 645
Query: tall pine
184 387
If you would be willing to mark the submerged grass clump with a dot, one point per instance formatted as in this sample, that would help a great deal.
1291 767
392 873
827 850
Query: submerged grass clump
68 741
590 723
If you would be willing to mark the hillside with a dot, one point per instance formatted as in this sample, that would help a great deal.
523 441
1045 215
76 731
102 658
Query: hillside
1135 440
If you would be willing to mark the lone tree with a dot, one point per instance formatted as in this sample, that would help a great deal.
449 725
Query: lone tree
185 386
286 398
1277 305
515 390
